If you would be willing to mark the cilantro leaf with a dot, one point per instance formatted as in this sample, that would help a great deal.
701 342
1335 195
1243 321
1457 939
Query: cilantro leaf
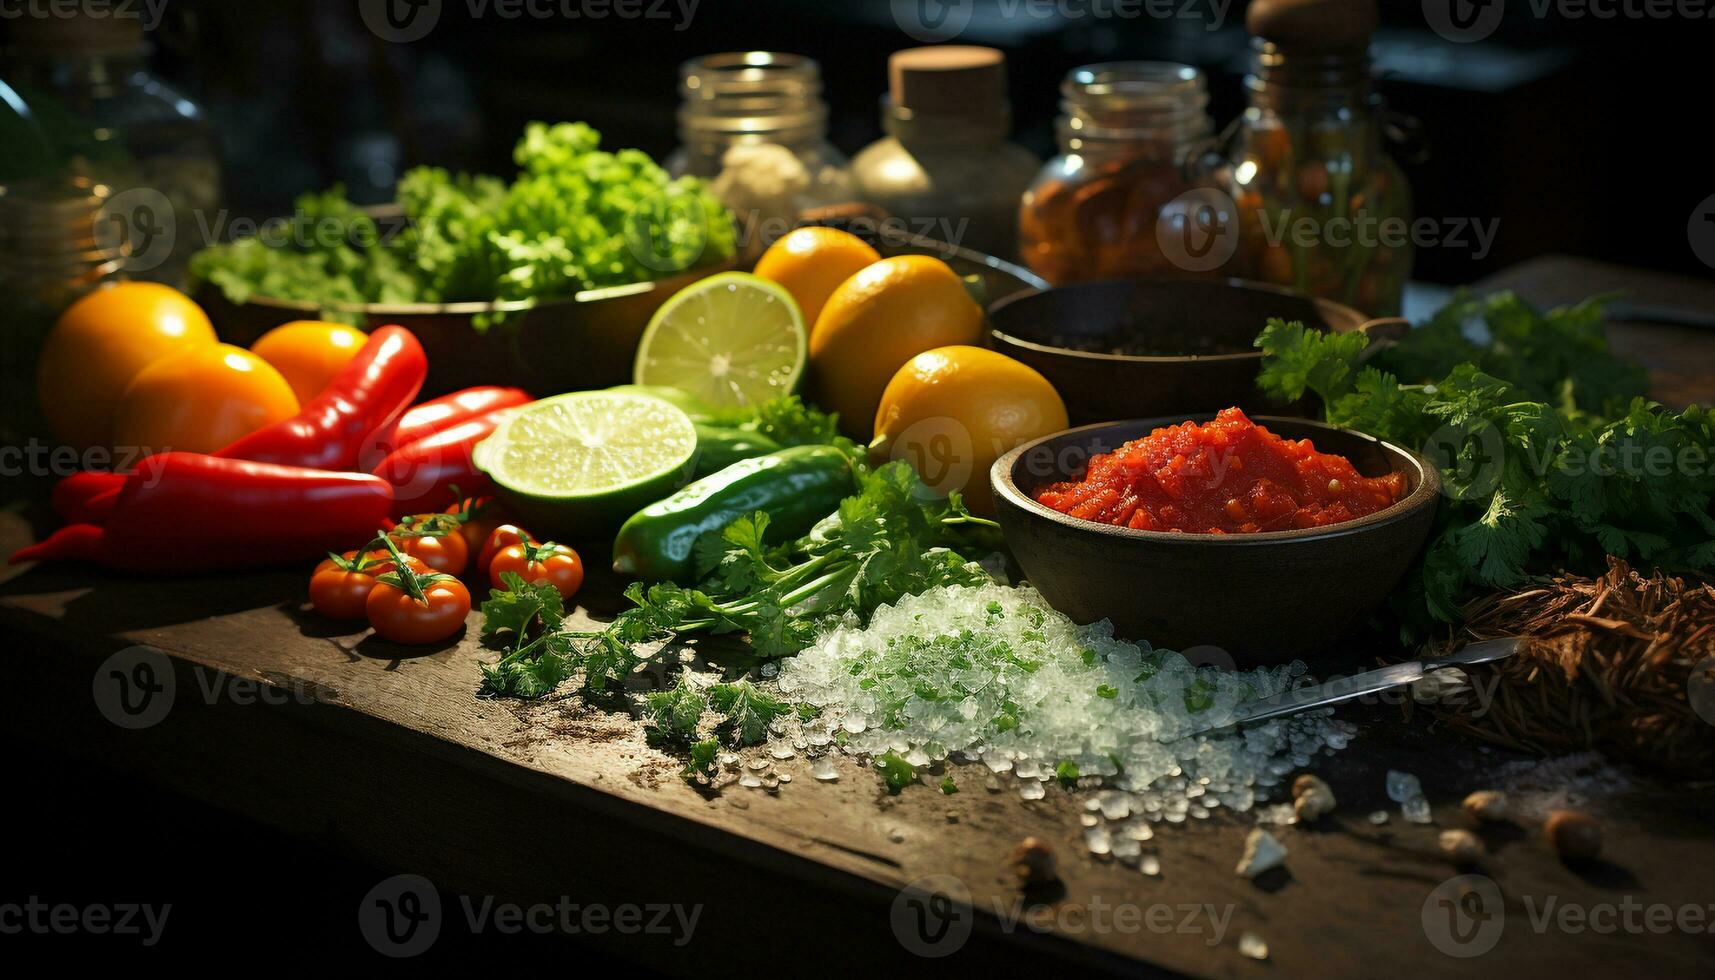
701 761
519 605
673 715
1297 360
748 711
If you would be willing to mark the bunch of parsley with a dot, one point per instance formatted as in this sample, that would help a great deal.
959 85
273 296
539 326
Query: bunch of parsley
1550 456
895 537
576 218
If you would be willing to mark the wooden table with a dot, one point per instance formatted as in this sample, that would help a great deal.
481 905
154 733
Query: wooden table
342 740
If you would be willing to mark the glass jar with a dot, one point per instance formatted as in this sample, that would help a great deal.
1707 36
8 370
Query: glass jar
946 170
1127 131
115 126
1323 207
754 124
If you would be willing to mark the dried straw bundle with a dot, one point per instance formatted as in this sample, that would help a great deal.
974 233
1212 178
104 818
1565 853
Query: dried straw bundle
1607 664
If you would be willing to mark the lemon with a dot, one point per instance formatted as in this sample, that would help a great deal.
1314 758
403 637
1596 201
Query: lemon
812 262
576 464
101 343
952 411
309 353
877 320
728 341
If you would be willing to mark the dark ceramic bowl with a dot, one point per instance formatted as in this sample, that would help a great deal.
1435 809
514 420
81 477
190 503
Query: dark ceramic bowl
1262 597
588 340
584 341
1199 335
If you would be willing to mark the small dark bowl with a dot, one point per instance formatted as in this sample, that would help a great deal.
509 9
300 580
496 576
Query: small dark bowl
1204 330
1262 598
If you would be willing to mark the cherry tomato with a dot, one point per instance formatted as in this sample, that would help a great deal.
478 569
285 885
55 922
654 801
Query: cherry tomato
555 564
436 540
398 616
500 537
477 517
338 589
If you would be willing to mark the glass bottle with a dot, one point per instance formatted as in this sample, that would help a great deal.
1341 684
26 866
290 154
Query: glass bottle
1324 209
51 252
754 124
945 170
1126 131
115 126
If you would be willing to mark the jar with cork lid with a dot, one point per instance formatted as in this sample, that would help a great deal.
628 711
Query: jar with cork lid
946 169
1324 209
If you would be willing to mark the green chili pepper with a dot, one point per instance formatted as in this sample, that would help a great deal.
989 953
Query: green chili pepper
796 487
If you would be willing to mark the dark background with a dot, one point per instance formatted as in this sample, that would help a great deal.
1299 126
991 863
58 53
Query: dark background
1584 136
1581 135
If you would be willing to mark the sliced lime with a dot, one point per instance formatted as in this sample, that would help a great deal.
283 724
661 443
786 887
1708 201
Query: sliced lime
574 463
729 341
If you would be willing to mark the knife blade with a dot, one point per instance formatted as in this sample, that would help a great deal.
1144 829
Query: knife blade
1342 689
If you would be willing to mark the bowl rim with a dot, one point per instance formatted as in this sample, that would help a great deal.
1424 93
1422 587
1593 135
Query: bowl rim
1426 495
1233 357
475 307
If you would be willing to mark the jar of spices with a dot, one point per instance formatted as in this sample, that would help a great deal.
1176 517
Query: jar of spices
754 125
1324 209
1127 132
946 170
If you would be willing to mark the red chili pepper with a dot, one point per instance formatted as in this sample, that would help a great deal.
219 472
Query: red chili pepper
187 512
357 409
87 497
424 473
440 414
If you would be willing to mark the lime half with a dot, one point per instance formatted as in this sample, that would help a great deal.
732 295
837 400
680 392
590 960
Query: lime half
730 341
574 464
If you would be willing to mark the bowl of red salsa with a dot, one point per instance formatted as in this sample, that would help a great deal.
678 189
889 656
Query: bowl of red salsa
1268 537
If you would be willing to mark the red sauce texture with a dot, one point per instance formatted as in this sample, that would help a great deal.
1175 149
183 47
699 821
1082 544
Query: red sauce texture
1229 476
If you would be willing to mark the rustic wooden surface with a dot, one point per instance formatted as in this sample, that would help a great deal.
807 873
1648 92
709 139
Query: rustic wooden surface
1681 360
385 754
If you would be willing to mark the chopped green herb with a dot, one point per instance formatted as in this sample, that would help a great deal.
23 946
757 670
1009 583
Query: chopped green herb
1067 772
701 761
895 771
